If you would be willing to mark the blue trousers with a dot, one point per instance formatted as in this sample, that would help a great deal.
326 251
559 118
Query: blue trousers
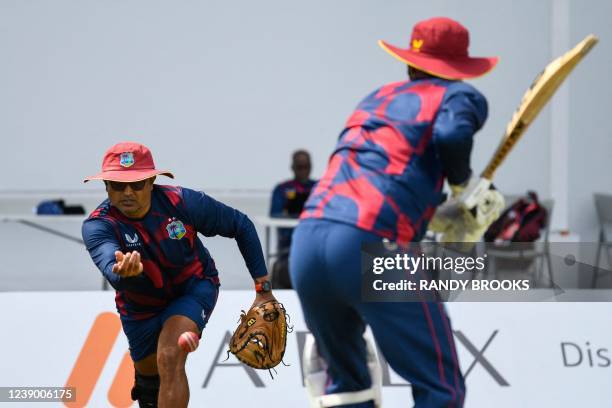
414 337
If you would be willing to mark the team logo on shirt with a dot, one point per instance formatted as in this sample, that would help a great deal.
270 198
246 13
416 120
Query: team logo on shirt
126 159
290 194
176 230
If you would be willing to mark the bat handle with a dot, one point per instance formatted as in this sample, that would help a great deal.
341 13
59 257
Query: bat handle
487 173
474 192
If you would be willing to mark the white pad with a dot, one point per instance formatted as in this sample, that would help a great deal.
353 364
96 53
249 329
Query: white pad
315 378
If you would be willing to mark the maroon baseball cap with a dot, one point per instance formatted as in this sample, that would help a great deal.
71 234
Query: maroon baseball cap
128 162
439 46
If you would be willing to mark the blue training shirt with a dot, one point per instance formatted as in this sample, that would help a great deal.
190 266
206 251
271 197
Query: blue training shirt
171 252
288 200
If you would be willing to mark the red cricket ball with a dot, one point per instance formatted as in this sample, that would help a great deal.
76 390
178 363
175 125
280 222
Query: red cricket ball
188 341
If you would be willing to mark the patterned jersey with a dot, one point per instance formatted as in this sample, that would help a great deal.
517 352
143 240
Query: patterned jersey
388 168
171 252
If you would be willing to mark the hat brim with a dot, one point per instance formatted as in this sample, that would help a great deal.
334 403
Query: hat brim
455 68
128 176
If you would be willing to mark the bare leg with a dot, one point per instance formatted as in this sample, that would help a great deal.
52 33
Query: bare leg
174 388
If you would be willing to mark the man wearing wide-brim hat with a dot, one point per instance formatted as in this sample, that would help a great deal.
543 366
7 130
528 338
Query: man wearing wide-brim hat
383 182
143 238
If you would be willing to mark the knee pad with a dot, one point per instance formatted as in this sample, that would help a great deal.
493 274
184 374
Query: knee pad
315 379
145 390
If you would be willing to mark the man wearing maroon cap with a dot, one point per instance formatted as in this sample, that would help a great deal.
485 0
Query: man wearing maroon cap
143 238
383 182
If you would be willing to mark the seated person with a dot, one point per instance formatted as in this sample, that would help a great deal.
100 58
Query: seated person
288 200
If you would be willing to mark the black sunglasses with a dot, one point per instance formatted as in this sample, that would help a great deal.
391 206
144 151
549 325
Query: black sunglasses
119 186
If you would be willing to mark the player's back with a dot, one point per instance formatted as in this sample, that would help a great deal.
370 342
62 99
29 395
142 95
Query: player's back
384 175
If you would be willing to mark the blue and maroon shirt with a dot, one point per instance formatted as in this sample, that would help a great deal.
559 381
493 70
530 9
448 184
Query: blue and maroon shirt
288 200
388 168
171 252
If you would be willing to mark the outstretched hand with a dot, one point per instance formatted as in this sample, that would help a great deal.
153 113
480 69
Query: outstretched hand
128 264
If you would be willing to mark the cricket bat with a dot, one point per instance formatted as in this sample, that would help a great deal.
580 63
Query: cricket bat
539 93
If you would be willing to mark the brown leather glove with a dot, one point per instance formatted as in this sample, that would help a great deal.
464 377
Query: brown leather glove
260 339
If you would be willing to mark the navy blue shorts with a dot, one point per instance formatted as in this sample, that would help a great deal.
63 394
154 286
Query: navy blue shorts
197 304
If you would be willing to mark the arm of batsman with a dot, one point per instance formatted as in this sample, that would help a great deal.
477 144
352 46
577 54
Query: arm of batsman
457 223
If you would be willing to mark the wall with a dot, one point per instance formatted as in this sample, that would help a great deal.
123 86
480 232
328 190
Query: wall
590 140
224 91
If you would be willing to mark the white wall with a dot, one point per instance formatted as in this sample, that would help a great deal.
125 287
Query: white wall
590 117
224 91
